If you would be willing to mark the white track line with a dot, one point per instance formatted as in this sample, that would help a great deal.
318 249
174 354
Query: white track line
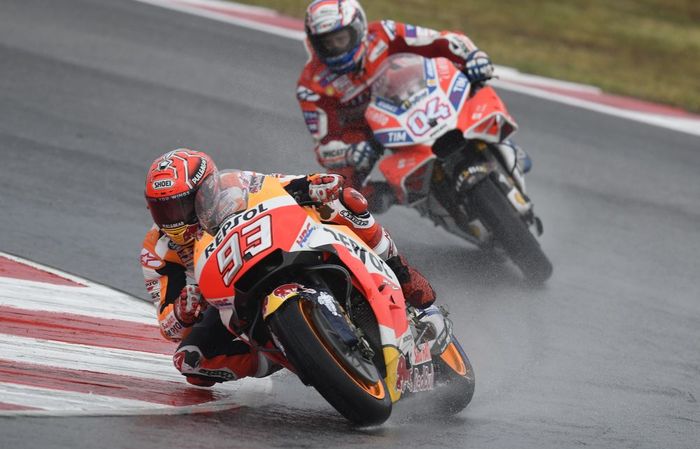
64 403
685 125
193 7
67 401
511 77
89 358
91 301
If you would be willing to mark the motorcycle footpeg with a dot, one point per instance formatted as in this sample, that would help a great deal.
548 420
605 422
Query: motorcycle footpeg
444 309
365 349
538 226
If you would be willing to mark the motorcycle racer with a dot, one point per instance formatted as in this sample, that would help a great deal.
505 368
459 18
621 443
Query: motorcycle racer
179 187
334 86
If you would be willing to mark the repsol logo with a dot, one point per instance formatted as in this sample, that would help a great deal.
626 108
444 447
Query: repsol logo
231 223
361 253
163 184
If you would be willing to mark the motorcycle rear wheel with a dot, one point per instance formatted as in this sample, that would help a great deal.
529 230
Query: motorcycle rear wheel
305 335
499 216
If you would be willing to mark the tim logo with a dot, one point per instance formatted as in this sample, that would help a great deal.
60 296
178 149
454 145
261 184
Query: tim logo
397 136
163 184
460 84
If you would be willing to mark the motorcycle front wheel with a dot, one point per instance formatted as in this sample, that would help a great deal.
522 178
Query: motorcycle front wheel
454 382
499 216
344 377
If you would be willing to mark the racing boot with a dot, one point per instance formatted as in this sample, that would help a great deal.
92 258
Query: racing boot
433 327
206 372
416 288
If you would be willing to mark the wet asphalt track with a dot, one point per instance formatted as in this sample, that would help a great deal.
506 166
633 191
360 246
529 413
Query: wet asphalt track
606 355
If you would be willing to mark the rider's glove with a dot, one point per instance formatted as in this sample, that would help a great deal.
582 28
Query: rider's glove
362 156
189 305
478 67
324 188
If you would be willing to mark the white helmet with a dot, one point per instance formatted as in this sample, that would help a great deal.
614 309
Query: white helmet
337 31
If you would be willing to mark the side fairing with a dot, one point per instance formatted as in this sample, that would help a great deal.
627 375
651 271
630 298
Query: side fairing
486 118
409 171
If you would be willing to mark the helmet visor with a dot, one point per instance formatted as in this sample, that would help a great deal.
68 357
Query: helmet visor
171 213
338 42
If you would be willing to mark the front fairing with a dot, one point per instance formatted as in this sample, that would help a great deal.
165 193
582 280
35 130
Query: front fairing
416 100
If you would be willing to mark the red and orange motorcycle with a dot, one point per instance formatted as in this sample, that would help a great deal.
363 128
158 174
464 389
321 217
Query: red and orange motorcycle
448 160
314 298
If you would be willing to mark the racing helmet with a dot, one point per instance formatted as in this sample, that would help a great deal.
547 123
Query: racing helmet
337 32
172 183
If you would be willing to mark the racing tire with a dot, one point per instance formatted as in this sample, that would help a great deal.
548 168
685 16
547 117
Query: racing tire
501 218
454 380
312 347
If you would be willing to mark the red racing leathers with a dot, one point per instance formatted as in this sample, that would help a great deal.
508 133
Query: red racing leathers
333 105
207 352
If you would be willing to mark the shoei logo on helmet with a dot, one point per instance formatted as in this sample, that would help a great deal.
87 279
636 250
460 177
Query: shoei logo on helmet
163 184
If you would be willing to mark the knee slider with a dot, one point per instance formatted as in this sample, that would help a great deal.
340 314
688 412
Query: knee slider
354 201
187 359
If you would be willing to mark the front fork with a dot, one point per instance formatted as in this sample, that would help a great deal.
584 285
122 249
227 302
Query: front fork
464 169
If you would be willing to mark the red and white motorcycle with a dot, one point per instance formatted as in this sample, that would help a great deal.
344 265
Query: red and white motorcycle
448 160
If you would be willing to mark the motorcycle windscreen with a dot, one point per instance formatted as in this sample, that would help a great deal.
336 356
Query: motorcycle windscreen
402 78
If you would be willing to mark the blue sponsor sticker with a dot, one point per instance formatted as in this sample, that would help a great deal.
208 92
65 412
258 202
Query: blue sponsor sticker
393 137
429 66
458 89
387 106
411 31
311 119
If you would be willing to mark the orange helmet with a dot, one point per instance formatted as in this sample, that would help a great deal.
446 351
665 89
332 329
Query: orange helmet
172 183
